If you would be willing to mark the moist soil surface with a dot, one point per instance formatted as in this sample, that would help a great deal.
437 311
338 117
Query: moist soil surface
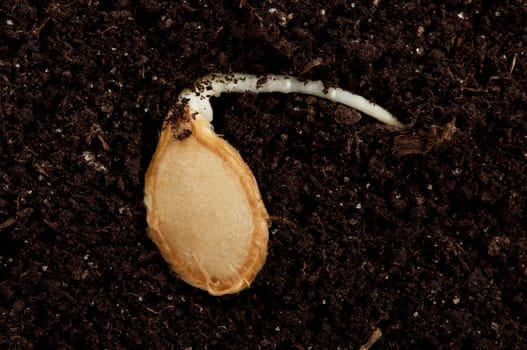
419 233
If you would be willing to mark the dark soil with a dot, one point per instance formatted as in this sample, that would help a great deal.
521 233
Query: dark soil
420 232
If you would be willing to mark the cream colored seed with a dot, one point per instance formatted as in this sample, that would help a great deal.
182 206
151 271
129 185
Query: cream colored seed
204 209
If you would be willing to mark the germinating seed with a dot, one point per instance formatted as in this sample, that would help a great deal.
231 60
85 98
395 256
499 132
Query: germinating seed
204 209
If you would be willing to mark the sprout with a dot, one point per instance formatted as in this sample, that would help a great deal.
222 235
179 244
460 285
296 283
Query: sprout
204 209
216 84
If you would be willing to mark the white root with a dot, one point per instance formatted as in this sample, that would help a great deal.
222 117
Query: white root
211 85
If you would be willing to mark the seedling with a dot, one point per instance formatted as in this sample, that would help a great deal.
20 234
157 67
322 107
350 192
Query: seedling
204 210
